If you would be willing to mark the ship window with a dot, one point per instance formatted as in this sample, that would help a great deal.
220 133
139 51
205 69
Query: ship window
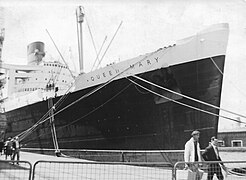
55 65
236 143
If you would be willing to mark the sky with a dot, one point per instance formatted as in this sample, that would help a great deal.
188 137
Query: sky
146 26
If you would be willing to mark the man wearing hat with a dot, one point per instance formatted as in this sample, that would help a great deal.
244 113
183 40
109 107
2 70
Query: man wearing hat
192 153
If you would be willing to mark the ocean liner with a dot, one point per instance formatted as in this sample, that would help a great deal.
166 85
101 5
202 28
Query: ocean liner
150 102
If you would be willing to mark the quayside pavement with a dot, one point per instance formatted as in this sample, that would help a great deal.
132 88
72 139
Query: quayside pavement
40 167
52 167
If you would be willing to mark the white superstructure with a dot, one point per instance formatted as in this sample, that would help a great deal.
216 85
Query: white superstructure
37 81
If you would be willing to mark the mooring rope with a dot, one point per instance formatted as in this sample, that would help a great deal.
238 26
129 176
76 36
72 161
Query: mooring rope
183 104
188 97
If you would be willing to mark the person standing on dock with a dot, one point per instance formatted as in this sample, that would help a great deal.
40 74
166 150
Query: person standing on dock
192 154
211 153
16 149
8 148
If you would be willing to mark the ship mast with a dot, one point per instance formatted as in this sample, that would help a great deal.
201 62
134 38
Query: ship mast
80 19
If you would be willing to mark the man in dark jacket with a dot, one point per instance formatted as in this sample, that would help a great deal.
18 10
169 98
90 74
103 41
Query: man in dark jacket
16 149
211 153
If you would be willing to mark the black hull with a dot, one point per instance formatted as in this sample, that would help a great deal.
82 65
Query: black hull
123 116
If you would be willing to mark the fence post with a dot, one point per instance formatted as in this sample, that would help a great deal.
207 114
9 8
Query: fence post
174 171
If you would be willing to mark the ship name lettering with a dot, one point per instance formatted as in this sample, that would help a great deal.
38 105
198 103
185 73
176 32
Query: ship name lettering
132 66
104 74
148 62
140 64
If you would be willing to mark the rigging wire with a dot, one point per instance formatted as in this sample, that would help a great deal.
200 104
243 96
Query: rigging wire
94 90
82 117
28 131
133 82
109 45
147 90
183 104
40 121
99 53
188 97
181 95
233 85
60 53
44 119
93 42
57 104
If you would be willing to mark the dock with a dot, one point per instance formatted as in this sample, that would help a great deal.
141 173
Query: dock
34 166
52 167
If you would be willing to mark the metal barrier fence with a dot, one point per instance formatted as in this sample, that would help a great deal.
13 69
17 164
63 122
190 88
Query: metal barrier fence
230 170
101 170
117 155
15 170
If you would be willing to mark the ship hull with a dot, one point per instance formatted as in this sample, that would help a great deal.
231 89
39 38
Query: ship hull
124 116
